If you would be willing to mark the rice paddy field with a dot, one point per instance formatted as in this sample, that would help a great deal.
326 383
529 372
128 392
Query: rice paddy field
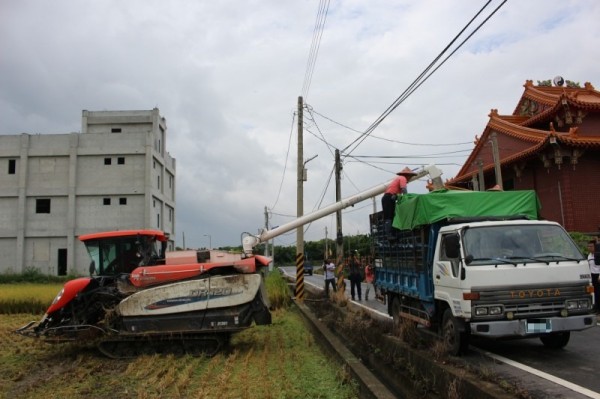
277 361
27 297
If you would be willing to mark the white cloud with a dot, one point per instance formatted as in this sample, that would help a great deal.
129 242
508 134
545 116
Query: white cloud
226 75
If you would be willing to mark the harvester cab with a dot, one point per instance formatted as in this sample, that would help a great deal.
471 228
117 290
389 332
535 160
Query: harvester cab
116 253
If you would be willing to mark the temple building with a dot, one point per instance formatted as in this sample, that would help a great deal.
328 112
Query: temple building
550 144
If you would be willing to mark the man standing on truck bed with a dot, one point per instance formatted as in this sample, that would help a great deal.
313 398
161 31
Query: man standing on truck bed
396 188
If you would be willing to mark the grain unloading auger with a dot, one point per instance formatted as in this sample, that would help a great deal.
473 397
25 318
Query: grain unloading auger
141 299
250 241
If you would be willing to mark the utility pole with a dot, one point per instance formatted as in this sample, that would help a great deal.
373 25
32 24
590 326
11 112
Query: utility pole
266 228
299 291
326 254
496 155
338 217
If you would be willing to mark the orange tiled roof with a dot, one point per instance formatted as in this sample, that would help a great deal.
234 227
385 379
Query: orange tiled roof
554 98
551 99
538 138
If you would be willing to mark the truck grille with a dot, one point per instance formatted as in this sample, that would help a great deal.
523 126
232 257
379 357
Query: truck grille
531 301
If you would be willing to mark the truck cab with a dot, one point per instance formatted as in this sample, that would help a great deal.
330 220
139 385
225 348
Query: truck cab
513 278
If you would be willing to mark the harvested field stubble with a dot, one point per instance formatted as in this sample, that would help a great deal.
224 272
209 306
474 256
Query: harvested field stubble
276 361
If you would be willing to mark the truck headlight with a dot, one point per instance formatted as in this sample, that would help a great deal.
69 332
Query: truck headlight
584 304
495 310
481 311
575 304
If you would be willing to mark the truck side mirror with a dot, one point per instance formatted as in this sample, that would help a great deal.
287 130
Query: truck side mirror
452 246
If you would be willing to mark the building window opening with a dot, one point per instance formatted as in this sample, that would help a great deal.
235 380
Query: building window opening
122 201
62 261
115 130
106 201
107 161
12 166
121 160
42 205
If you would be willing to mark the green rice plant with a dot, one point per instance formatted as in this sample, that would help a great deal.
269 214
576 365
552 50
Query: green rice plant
277 290
27 297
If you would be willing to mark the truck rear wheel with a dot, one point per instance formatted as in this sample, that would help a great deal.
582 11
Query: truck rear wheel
556 340
456 340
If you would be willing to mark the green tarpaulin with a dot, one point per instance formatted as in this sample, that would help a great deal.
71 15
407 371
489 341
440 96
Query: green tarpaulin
414 210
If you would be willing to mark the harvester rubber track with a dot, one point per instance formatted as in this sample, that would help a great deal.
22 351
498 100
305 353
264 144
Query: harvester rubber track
126 347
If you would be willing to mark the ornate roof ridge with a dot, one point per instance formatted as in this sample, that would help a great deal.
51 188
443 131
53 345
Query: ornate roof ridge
550 95
504 125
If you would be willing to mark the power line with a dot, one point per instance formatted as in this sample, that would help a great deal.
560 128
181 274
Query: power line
314 47
287 154
386 139
413 155
312 118
415 84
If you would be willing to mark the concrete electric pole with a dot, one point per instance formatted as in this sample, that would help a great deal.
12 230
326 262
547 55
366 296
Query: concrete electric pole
299 291
339 236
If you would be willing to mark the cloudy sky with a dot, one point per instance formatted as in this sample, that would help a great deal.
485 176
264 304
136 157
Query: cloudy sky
227 75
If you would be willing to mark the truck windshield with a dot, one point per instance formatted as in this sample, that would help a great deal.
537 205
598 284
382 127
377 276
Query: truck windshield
518 243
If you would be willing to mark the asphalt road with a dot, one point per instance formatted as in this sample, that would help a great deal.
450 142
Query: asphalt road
572 372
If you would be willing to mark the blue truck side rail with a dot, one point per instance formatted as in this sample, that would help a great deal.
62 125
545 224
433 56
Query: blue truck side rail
403 261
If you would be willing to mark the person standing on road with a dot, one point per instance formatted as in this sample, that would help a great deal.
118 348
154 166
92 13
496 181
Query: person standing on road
595 272
329 270
355 277
369 277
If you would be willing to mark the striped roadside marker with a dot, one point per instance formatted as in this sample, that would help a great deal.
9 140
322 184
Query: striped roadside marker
299 292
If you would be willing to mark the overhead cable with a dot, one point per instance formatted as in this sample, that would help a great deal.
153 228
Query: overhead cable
314 47
312 111
287 154
417 82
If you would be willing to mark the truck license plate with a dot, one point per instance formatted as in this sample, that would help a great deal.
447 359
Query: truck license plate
539 326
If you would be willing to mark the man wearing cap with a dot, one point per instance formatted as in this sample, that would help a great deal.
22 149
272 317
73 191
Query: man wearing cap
388 201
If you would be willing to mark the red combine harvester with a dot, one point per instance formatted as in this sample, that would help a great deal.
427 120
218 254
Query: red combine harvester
141 299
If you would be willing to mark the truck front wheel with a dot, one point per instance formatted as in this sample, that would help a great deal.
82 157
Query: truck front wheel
556 340
455 338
